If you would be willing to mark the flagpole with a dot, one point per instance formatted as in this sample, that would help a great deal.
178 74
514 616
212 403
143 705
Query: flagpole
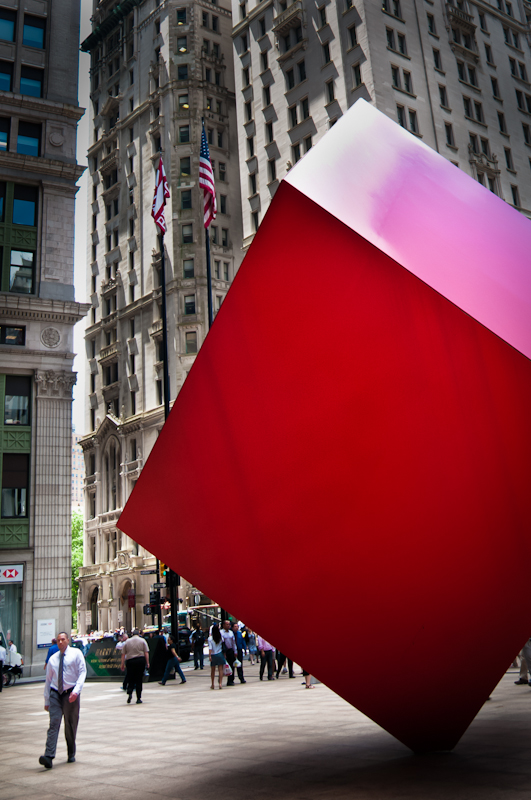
207 222
172 579
165 368
209 278
206 181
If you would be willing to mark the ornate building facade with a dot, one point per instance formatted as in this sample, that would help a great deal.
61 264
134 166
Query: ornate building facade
456 74
157 68
39 113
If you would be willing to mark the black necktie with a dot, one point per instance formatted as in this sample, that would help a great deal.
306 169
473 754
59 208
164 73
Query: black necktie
60 687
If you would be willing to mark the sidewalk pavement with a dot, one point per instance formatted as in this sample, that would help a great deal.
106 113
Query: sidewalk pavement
254 742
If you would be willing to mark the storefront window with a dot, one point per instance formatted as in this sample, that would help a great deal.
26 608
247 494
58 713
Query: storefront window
11 612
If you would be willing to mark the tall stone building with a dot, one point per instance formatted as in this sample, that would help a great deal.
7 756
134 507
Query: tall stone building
38 172
456 74
157 68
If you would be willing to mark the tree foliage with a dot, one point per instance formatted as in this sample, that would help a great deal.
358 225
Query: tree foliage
77 558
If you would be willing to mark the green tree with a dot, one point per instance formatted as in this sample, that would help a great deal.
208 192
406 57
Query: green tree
77 559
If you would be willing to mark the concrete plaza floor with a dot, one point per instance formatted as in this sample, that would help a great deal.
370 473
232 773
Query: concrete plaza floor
259 740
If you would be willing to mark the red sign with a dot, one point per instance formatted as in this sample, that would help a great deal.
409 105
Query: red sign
11 573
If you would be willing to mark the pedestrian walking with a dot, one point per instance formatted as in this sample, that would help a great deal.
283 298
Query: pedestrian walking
240 645
215 654
251 645
135 659
229 648
281 660
267 653
243 631
525 665
308 680
3 656
65 675
122 638
174 662
198 643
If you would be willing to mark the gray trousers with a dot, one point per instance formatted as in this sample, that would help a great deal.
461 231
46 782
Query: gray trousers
525 660
61 707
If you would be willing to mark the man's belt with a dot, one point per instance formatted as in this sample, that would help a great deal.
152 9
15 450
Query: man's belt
66 691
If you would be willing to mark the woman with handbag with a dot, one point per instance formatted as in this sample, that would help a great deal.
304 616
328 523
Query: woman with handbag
215 654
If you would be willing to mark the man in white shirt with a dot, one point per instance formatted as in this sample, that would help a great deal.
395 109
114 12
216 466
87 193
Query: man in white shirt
12 646
119 644
267 657
3 656
65 676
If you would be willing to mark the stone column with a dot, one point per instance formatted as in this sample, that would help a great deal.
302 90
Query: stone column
52 496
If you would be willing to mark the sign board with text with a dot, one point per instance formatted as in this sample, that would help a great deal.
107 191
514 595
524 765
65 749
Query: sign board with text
45 632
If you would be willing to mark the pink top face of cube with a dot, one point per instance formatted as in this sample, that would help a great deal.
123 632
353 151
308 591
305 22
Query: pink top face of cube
428 215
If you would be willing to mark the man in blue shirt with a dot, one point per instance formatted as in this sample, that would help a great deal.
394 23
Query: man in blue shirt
51 650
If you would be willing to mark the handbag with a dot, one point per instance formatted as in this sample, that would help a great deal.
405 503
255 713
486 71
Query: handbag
237 663
227 669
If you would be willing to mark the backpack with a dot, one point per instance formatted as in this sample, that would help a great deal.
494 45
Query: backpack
198 637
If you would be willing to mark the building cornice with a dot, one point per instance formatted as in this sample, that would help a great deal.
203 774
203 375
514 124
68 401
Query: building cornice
505 18
23 353
41 166
258 11
45 108
40 310
122 427
207 5
108 24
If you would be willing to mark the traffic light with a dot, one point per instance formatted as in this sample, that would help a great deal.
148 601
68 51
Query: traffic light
163 570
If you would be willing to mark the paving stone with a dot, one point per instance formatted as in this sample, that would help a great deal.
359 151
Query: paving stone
256 741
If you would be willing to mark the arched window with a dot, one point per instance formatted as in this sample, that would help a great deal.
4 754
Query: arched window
127 602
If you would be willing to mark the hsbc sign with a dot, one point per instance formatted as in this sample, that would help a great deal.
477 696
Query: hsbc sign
11 573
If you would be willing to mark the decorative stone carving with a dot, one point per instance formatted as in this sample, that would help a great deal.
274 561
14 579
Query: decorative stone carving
55 383
123 561
50 337
56 138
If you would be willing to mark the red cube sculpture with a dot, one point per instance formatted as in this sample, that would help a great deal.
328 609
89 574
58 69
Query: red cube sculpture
347 467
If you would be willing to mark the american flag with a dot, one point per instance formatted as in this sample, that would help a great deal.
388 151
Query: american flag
206 180
162 193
